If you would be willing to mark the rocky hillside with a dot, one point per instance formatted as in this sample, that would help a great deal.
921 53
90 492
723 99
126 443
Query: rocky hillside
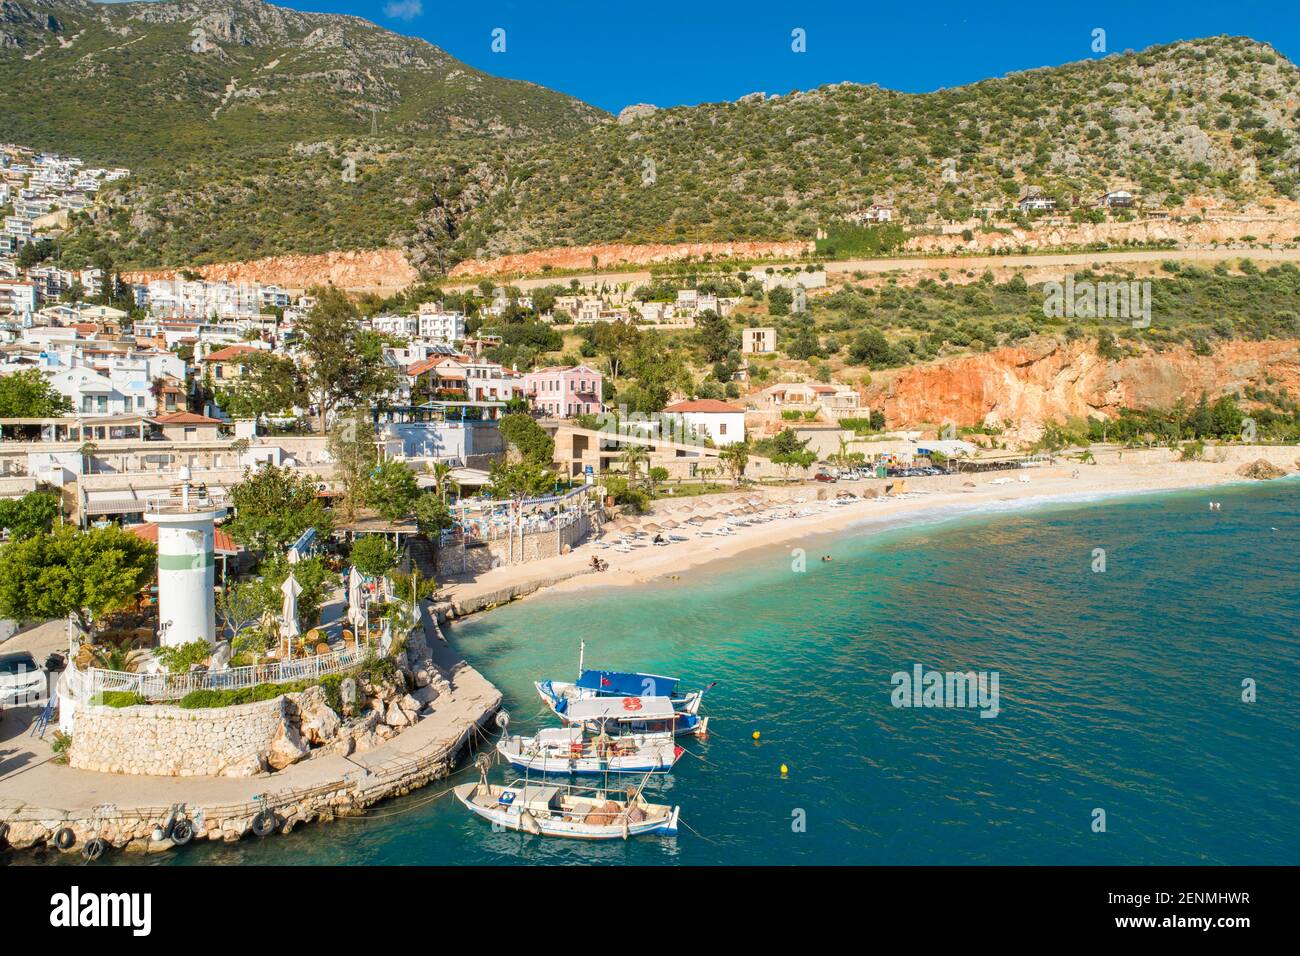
250 131
1018 388
121 82
1215 116
253 129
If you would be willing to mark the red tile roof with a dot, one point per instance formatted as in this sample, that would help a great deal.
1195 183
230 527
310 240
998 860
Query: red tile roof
229 352
705 405
422 366
185 418
221 542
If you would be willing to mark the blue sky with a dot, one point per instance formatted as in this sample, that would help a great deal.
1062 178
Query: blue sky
670 52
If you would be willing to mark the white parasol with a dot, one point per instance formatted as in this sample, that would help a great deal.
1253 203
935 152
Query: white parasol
289 611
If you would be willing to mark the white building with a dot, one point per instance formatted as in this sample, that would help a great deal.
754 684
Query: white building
441 326
723 423
758 341
18 297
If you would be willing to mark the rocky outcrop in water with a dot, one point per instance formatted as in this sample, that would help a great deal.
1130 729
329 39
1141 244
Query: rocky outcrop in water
1261 469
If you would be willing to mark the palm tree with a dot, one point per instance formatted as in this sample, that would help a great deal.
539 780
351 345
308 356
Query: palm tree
88 451
116 657
441 472
633 457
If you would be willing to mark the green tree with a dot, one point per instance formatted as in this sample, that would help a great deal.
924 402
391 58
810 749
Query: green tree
29 394
633 457
441 472
529 438
352 446
374 555
240 609
273 507
268 385
117 657
83 573
32 514
344 363
311 574
432 514
525 479
715 335
392 490
736 458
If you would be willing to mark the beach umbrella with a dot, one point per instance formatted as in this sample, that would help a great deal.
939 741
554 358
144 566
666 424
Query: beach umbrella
670 524
289 610
356 614
696 519
653 527
628 528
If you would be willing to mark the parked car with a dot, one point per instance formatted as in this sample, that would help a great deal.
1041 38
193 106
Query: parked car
21 681
824 476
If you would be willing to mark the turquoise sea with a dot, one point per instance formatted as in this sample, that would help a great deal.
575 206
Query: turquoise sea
1120 690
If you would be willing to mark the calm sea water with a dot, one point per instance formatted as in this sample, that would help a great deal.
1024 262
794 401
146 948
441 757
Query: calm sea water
1119 690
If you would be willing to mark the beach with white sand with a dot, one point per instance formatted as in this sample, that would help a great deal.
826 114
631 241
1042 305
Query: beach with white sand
714 528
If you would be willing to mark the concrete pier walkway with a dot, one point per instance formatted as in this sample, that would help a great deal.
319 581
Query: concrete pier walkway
38 795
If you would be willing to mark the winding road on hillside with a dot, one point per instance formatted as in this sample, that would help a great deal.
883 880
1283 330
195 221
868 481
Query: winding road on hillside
1043 262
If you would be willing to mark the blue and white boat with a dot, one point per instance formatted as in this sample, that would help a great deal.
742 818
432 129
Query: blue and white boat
608 735
558 695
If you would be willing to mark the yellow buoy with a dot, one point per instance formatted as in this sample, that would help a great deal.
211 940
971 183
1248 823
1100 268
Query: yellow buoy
757 735
784 770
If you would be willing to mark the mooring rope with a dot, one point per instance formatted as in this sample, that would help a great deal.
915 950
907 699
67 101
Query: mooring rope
697 832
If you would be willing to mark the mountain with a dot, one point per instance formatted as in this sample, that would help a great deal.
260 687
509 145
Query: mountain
261 143
129 79
1216 116
253 129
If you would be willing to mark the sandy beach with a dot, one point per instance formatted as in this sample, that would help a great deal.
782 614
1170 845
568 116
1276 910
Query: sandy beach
1117 472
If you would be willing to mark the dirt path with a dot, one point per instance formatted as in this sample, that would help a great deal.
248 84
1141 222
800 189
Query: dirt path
1049 260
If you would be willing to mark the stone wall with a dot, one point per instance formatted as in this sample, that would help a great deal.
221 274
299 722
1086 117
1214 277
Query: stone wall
530 547
174 742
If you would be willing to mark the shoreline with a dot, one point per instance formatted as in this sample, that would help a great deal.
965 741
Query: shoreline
1118 473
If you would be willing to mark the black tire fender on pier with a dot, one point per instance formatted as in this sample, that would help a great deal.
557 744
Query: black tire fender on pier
265 823
64 838
94 849
182 832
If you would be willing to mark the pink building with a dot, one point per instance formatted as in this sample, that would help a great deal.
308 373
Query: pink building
565 392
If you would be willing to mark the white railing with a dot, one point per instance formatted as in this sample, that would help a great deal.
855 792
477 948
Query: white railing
174 686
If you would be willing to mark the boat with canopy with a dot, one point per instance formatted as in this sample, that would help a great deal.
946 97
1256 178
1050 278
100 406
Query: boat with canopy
560 695
605 735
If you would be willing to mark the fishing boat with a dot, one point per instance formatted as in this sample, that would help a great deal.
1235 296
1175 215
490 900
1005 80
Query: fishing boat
610 735
558 695
583 813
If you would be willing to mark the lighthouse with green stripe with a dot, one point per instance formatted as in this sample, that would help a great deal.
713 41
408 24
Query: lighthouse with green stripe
186 520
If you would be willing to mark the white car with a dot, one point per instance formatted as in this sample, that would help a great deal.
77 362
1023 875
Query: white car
21 681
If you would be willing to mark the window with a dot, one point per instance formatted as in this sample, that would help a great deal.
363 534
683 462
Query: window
722 428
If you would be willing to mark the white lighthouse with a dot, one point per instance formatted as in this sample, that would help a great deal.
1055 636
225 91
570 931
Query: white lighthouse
186 563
